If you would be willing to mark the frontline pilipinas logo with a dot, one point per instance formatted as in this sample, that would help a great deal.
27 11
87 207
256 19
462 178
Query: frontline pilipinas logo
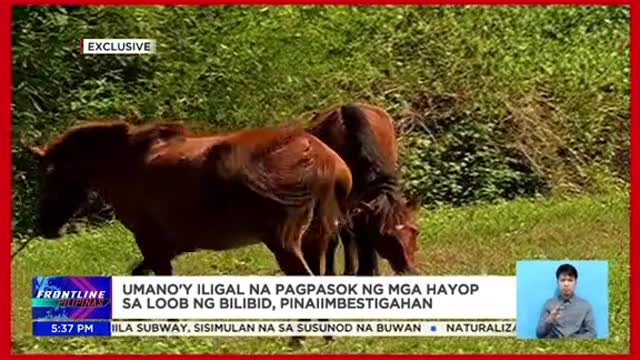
71 298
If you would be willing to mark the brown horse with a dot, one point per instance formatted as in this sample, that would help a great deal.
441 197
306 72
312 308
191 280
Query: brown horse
380 218
178 192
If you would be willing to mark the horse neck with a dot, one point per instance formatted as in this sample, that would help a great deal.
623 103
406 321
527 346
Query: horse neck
388 210
93 168
383 184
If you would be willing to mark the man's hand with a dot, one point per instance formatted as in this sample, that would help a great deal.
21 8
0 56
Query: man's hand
553 315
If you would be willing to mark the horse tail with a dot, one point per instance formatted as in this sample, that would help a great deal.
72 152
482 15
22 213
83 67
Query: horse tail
333 193
343 183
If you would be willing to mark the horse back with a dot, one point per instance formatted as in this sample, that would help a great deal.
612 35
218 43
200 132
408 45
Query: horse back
330 127
382 126
287 164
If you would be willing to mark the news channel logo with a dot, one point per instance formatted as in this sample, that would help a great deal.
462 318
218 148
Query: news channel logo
71 298
555 307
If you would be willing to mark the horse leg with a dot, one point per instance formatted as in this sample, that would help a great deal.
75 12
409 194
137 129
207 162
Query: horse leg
155 252
140 268
291 261
350 249
330 262
316 254
152 259
367 261
286 245
367 258
158 267
162 266
315 247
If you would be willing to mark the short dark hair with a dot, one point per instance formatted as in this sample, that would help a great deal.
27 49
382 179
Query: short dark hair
568 269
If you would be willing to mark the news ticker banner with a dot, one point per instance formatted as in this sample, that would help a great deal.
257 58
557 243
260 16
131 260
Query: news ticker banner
275 328
96 306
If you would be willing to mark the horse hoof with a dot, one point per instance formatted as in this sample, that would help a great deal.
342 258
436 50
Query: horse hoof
296 341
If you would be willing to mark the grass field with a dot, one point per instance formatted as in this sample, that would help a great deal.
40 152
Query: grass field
464 241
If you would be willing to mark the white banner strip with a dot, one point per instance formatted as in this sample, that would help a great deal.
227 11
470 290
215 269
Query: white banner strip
314 328
320 297
118 46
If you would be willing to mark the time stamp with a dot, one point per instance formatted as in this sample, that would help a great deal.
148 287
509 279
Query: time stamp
75 328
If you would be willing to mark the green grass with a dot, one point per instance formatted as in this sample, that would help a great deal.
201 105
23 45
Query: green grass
486 239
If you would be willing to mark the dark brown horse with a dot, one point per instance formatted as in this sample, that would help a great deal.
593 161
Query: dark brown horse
178 192
380 217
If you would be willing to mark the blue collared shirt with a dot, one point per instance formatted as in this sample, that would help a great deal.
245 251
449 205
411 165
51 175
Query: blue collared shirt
575 319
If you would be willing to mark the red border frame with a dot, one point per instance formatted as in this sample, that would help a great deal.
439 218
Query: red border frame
5 164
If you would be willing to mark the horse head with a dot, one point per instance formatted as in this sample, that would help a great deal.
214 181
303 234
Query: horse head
64 166
396 238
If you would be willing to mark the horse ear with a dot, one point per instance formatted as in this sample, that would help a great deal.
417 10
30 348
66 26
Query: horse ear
367 205
37 151
413 203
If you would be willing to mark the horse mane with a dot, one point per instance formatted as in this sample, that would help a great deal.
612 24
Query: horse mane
320 123
94 133
275 137
145 134
87 135
360 134
388 208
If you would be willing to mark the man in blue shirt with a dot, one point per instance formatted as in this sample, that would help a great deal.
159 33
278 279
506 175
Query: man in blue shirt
566 315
